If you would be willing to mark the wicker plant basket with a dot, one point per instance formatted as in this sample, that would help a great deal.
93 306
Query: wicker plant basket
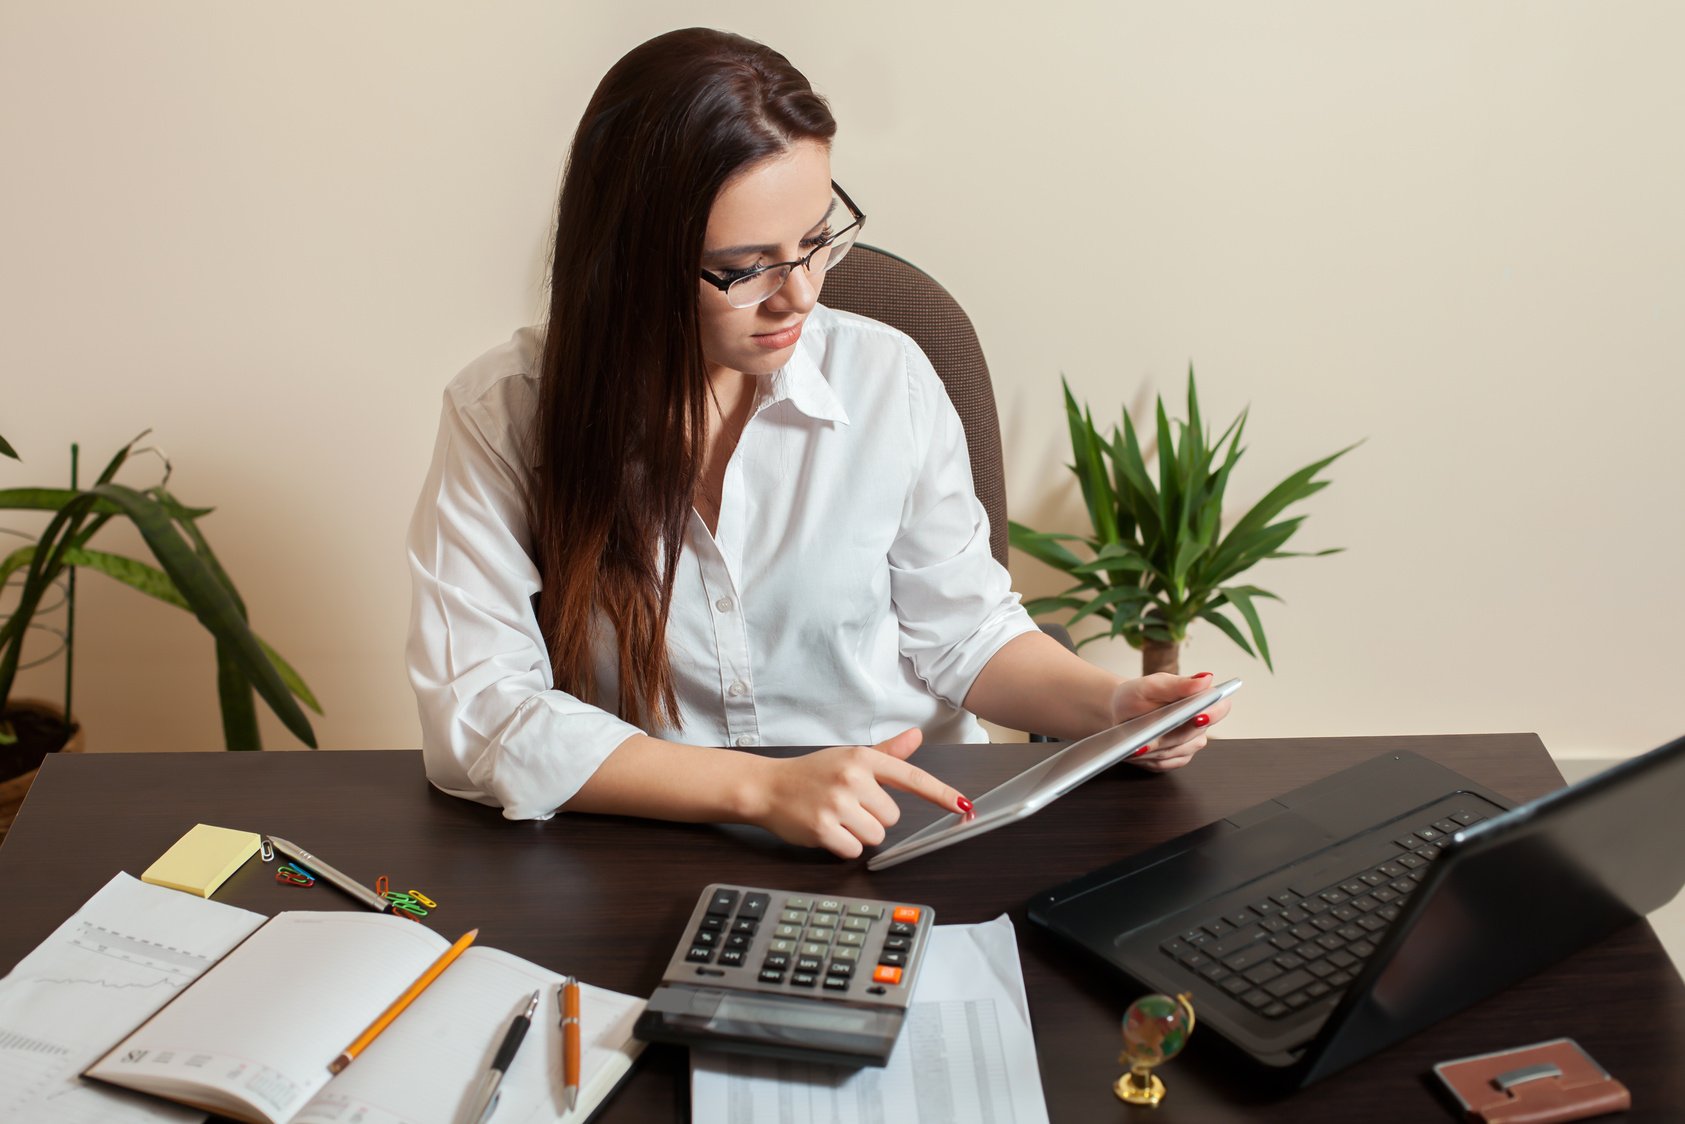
12 791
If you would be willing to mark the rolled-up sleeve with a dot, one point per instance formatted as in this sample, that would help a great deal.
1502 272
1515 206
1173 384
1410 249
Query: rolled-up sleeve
493 727
955 603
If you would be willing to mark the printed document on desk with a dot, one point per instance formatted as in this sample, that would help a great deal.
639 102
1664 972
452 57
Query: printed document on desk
965 1054
128 951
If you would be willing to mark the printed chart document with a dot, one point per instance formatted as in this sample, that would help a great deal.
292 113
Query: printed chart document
253 1038
965 1054
129 950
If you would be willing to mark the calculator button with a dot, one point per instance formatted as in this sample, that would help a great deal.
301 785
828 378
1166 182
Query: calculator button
820 933
793 916
754 906
787 932
706 938
723 903
841 968
893 958
869 912
836 983
828 920
808 964
798 903
771 975
883 973
731 957
907 914
777 960
848 954
814 948
712 922
803 979
781 946
847 939
745 925
830 905
857 924
902 929
736 940
699 954
897 944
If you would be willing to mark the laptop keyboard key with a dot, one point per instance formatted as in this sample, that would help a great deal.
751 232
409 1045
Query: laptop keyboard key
1263 973
1218 928
1274 1010
1284 985
1235 941
1247 957
1257 999
1234 985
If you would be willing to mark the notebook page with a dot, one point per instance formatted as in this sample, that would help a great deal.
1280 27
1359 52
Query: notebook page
119 958
263 1024
427 1065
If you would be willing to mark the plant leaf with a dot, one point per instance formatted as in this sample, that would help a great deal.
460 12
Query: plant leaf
1241 596
210 602
7 450
234 692
1118 595
1228 627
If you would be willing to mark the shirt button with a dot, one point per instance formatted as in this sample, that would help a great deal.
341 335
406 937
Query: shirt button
748 739
738 688
723 604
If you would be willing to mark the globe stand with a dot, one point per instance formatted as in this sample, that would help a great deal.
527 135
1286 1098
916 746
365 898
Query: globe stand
1139 1086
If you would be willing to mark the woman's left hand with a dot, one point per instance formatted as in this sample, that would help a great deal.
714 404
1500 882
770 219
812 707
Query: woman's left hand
1135 697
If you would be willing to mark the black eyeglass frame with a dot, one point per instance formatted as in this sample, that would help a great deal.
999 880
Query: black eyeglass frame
859 222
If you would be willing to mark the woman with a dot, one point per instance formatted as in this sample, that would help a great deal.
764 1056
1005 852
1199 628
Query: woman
701 510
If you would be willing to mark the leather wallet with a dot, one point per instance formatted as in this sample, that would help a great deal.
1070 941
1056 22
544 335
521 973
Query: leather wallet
1538 1084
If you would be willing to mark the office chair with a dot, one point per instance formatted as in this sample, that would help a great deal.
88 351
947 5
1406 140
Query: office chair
875 283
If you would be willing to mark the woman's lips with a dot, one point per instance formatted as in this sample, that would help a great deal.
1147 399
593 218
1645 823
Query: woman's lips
784 337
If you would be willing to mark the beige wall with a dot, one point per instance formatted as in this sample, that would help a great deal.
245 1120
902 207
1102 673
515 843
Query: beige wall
273 232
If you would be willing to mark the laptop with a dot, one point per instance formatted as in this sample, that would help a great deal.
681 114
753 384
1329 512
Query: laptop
1326 924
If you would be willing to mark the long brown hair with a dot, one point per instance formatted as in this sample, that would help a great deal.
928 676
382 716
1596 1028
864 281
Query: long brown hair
622 415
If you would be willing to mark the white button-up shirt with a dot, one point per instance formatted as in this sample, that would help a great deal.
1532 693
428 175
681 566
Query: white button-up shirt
847 594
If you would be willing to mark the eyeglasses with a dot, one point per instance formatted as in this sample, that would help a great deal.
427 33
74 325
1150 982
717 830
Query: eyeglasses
744 288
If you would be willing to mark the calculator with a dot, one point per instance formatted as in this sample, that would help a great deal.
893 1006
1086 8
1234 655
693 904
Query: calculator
793 975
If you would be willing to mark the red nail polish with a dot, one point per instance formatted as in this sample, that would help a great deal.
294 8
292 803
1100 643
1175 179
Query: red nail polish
1203 720
1203 675
965 805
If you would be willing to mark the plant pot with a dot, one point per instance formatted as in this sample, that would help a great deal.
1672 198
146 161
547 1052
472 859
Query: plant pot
12 789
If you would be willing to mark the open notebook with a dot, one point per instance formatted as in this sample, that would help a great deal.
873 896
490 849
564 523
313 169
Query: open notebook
253 1036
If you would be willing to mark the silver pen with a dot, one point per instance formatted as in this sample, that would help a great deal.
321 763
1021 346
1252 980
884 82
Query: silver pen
339 878
485 1097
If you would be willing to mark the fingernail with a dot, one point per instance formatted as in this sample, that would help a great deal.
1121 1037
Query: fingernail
965 805
1203 720
1203 675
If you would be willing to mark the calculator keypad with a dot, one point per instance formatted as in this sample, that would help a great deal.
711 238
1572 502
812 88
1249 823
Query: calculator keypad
773 941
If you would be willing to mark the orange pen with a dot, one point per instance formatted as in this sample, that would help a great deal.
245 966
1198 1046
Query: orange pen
567 997
404 1000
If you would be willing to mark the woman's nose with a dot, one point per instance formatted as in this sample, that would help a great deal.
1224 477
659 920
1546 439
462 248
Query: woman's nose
800 291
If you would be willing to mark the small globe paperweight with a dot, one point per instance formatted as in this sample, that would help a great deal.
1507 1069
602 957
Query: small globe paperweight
1155 1028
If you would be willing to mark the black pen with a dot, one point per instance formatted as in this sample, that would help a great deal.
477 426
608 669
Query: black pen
485 1098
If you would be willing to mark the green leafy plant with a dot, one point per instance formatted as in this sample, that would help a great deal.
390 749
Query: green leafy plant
187 575
1158 559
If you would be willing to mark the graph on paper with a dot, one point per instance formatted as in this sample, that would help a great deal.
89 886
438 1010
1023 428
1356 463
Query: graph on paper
104 971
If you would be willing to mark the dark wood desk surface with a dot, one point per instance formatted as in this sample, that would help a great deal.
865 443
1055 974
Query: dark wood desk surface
606 898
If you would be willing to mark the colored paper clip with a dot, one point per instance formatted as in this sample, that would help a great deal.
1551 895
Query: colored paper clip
403 903
294 875
423 899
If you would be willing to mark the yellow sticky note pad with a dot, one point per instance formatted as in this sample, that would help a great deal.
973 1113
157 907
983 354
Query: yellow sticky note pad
202 860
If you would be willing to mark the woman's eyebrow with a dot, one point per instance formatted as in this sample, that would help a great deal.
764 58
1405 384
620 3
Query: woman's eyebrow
734 251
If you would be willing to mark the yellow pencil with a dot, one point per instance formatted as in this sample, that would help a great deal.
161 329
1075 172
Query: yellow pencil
404 1000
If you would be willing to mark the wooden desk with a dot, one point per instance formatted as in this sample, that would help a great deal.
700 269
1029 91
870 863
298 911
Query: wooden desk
607 897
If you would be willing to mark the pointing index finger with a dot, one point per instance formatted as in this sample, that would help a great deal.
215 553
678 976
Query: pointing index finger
910 778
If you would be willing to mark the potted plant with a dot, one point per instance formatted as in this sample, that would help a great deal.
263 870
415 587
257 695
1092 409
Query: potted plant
187 575
1158 559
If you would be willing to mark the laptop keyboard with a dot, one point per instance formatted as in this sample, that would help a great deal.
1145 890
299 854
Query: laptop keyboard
1302 942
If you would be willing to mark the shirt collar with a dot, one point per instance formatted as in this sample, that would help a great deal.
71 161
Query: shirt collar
803 384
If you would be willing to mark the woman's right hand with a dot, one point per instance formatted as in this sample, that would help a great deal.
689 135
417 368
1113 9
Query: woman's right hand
834 798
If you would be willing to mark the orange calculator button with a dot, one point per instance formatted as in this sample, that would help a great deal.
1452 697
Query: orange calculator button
907 913
883 973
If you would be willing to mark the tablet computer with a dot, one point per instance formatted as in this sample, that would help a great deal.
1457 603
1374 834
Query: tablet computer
1049 779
